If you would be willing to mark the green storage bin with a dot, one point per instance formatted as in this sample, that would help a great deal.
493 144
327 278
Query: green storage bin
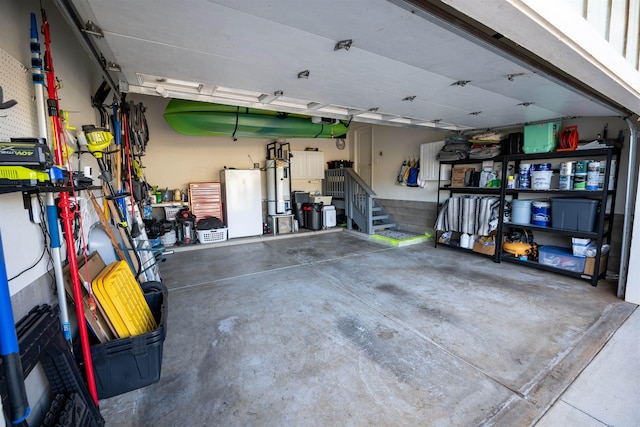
541 138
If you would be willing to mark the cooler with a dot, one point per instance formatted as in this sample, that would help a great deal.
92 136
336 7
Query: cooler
541 138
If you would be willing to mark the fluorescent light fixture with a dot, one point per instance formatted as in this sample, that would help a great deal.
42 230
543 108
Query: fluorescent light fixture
149 80
291 102
427 124
314 106
370 115
237 94
268 99
402 120
334 109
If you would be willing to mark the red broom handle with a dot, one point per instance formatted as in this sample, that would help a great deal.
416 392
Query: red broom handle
65 207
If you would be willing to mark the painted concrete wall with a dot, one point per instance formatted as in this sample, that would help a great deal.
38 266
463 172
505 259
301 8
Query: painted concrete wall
22 239
397 144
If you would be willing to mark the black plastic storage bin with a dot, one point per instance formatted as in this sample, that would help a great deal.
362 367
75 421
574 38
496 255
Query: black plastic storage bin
574 213
312 215
339 164
513 143
299 198
127 364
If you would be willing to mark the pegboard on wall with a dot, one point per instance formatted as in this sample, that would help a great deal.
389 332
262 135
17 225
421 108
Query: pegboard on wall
20 120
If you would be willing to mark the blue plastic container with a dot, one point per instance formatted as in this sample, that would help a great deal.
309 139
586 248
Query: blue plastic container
541 167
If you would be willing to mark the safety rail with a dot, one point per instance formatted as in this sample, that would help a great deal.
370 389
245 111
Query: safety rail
359 205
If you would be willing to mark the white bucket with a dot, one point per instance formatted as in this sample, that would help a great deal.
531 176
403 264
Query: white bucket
520 211
541 180
464 240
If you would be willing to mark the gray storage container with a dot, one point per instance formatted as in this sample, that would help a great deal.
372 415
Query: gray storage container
574 213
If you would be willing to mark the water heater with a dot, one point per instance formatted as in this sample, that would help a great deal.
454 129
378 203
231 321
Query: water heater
278 187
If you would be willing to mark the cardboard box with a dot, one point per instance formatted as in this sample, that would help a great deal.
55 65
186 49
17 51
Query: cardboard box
461 176
590 264
97 319
579 246
485 245
325 200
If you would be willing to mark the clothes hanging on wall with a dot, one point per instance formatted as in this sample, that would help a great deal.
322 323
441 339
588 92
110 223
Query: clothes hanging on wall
469 214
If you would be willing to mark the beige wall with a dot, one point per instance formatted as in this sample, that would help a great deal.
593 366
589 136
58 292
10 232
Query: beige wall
397 144
174 160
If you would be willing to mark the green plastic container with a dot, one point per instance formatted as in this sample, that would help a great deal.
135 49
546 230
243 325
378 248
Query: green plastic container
541 138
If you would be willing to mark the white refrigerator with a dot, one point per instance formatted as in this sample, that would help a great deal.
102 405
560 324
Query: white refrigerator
242 201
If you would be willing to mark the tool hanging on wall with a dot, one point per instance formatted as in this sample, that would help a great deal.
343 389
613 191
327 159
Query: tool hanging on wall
52 211
98 141
127 172
98 100
135 230
136 140
65 206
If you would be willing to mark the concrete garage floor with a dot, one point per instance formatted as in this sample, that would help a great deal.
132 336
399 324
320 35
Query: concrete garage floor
332 329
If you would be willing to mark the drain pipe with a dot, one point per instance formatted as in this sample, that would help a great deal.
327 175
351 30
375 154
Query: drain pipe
629 203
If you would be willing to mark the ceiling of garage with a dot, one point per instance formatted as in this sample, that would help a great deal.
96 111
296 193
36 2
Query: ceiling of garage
403 66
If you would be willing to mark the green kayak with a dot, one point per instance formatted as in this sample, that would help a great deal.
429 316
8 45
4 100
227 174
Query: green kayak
206 119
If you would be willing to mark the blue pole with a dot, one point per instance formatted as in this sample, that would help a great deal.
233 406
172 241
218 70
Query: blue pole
10 351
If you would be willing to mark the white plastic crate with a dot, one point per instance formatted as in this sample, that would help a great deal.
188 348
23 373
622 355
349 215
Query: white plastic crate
171 211
212 236
169 238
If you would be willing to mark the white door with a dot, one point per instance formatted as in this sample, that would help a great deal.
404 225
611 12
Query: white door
364 154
